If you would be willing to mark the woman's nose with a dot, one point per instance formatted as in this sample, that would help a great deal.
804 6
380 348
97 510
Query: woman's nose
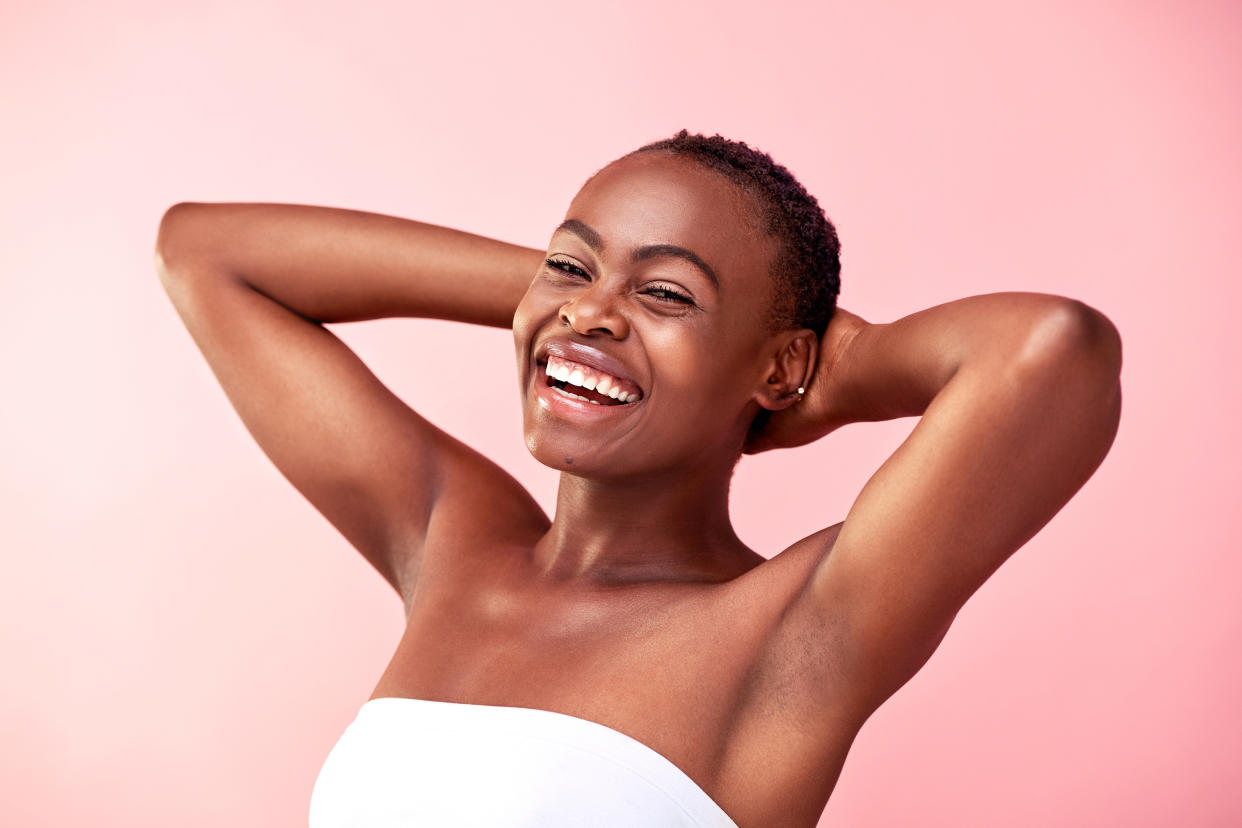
595 311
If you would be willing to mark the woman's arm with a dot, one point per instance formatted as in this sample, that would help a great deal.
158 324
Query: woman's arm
335 265
255 283
1020 399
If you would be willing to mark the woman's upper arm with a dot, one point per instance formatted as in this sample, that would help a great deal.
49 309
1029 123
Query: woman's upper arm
363 458
1001 448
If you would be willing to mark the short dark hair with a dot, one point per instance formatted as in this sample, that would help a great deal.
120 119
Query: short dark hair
807 268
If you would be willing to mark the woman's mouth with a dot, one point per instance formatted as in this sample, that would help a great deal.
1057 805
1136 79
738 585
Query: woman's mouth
582 382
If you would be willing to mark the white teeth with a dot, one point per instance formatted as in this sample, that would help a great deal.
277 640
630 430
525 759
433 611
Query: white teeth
577 396
605 385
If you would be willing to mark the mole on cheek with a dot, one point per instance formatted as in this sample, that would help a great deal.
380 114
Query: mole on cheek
569 460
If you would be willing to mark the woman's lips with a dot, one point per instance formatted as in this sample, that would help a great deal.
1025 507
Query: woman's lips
580 382
563 401
590 361
592 384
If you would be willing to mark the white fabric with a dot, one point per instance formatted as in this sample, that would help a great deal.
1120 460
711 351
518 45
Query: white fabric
407 762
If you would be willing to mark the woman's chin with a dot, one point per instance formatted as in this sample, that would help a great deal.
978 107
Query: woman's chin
563 455
589 441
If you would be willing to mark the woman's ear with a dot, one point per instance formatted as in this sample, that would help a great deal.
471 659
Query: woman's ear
788 370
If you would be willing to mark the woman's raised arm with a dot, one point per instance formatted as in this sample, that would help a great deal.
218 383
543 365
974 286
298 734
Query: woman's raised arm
1020 399
254 284
335 265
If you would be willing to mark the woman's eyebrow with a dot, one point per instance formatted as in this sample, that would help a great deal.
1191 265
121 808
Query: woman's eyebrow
652 251
594 241
583 231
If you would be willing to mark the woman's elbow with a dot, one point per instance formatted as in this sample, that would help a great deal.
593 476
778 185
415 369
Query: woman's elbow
175 240
1072 339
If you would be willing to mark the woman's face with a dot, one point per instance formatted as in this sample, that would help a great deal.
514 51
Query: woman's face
656 293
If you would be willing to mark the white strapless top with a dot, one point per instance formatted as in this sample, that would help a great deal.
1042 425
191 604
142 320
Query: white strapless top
413 762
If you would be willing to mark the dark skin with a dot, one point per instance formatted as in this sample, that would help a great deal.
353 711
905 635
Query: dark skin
637 606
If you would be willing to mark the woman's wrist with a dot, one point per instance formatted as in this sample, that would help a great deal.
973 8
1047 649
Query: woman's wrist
838 392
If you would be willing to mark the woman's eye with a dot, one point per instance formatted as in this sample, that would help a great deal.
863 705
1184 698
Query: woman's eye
565 267
667 294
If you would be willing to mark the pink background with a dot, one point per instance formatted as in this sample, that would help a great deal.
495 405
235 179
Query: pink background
183 637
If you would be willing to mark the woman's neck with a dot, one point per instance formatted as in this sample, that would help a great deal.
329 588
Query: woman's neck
669 527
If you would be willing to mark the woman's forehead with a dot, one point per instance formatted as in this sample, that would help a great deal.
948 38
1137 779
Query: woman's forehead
659 198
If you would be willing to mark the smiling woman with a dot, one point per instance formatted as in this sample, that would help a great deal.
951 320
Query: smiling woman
631 661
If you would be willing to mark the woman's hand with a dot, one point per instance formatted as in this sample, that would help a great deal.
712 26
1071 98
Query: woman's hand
827 404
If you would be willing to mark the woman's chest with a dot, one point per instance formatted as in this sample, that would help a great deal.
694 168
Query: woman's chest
705 676
663 671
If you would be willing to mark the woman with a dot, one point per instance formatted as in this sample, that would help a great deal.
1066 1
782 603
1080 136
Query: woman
632 662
